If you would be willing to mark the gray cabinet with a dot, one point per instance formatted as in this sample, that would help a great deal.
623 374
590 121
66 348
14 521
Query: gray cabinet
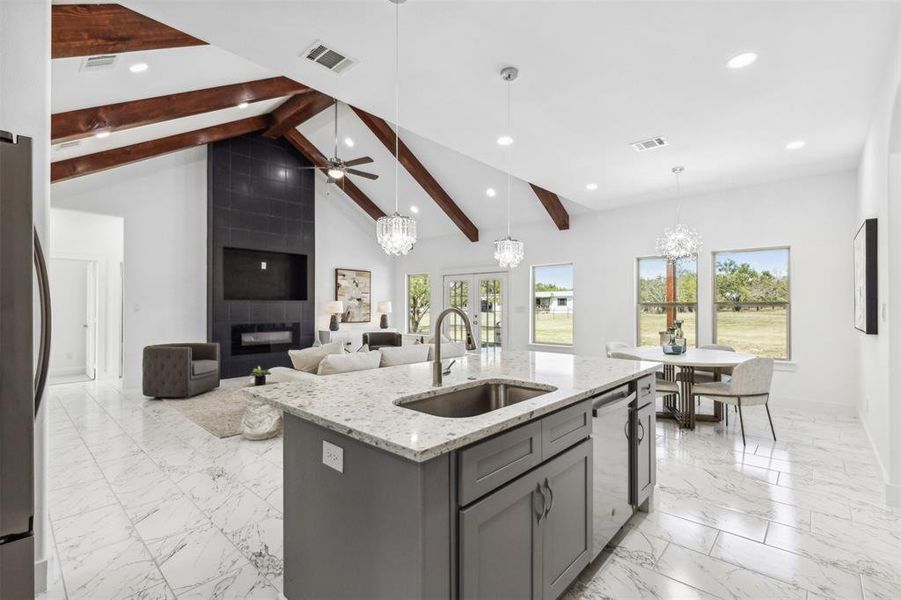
532 537
644 453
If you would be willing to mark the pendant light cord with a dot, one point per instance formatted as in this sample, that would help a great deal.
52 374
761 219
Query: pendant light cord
396 107
509 159
678 196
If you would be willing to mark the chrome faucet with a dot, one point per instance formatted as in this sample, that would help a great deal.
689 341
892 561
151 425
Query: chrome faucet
470 344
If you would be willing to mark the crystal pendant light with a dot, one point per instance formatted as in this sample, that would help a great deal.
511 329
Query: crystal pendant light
679 241
396 233
507 251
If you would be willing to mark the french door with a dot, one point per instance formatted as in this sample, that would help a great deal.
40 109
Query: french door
481 296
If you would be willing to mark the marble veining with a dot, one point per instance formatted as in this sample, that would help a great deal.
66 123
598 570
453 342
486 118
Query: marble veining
363 404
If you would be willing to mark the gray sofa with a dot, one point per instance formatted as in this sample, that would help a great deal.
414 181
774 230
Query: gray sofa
180 370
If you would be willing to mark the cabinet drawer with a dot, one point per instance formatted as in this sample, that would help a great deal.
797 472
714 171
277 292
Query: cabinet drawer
494 462
565 428
645 390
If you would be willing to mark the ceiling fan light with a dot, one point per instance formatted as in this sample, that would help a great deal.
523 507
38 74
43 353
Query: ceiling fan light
335 173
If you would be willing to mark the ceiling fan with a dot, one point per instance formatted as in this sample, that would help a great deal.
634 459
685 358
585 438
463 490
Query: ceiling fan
336 168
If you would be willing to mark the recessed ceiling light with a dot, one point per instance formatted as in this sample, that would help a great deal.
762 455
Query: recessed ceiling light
491 192
349 142
591 186
795 145
742 60
138 67
414 210
504 140
243 105
102 134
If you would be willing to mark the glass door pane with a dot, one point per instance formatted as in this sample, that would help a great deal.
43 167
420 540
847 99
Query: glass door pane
490 311
457 296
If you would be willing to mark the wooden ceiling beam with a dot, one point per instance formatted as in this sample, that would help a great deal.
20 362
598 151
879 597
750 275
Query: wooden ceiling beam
385 134
312 154
296 110
76 124
91 29
116 157
553 206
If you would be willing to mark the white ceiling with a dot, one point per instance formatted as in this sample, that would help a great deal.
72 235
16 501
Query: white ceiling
594 76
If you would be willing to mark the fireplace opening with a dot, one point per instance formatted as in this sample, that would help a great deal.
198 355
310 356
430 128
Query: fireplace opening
259 338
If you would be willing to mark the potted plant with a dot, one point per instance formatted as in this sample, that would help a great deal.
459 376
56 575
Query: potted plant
259 375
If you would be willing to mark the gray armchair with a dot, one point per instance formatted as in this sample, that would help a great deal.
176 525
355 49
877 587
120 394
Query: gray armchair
180 370
377 339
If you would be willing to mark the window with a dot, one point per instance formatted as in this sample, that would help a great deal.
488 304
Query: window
667 292
751 301
552 306
419 299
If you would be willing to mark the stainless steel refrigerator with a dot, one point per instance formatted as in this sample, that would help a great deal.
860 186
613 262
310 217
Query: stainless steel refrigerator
22 374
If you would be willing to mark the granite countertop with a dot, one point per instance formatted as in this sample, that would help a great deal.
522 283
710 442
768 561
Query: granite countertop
362 405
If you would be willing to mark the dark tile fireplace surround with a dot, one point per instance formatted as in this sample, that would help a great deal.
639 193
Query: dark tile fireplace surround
259 199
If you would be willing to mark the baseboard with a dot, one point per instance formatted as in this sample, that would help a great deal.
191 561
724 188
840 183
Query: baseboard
66 372
892 490
827 408
40 576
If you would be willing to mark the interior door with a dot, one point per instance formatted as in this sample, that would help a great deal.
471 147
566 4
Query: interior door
90 320
481 296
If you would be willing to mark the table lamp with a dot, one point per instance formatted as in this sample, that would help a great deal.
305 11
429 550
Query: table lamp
385 309
334 308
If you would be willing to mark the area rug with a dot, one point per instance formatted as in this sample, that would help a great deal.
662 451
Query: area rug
218 411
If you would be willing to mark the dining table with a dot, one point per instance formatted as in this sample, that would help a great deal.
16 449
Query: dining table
683 411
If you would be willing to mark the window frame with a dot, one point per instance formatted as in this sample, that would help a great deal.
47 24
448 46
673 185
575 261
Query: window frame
788 304
677 305
532 308
407 302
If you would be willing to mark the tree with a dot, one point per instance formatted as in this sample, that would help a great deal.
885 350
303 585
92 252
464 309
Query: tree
419 297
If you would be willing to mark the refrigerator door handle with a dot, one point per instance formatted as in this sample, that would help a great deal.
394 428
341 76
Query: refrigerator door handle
40 376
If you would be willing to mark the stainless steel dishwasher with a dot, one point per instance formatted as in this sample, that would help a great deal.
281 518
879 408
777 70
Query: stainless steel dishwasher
612 473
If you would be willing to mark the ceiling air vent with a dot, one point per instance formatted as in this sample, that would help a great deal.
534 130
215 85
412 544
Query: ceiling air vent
103 62
649 144
331 59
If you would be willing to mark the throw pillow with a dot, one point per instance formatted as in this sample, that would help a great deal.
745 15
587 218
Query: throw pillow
346 363
449 350
364 348
404 355
308 359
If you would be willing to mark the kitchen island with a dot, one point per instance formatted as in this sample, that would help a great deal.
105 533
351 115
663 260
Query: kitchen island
506 487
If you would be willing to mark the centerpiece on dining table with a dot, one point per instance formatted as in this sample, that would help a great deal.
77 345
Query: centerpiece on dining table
673 340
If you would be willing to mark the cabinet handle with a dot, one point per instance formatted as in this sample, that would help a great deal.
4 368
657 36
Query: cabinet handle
551 493
626 429
542 512
641 436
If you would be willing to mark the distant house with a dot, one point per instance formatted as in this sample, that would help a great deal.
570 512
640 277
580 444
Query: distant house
558 301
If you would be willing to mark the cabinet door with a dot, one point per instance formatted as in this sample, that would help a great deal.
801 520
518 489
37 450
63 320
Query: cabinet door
499 536
612 493
645 453
566 531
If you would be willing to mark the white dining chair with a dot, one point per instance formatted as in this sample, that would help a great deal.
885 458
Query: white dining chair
749 386
614 346
708 374
663 387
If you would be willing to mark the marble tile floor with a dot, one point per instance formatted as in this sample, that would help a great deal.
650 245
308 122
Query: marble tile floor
146 505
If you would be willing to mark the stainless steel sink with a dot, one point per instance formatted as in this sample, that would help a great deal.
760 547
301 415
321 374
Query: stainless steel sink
475 400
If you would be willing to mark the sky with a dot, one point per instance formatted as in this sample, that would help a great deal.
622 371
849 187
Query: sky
559 275
774 261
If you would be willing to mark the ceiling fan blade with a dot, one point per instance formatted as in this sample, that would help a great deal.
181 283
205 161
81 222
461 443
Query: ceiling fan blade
365 160
362 174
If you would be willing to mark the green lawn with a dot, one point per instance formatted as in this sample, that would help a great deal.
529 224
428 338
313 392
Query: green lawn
553 328
761 332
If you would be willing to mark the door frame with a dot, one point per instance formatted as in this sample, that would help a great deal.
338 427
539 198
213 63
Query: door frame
474 276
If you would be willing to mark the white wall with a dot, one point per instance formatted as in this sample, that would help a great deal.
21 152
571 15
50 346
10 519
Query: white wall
25 110
814 216
880 379
345 238
93 237
163 203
